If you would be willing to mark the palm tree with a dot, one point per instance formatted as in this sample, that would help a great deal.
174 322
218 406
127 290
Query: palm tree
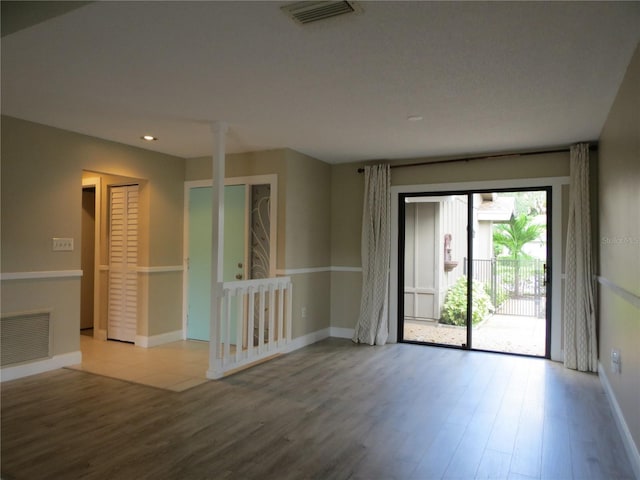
514 235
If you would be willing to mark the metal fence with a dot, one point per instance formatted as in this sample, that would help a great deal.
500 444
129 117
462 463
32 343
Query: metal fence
516 287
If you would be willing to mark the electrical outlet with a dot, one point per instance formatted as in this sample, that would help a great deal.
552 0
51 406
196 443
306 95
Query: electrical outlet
62 244
304 312
616 361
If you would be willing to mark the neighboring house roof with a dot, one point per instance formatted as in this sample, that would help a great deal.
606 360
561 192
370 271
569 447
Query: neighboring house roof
496 209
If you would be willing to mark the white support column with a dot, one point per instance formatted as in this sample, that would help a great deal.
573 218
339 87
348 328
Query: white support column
219 131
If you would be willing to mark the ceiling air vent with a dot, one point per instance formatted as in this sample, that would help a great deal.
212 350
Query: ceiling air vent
308 12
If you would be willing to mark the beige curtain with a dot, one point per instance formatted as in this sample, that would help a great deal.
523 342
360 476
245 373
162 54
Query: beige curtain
373 322
580 342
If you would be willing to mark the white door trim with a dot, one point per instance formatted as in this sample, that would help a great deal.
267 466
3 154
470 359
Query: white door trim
96 182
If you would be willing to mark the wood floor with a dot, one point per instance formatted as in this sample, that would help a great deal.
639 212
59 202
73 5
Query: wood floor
333 410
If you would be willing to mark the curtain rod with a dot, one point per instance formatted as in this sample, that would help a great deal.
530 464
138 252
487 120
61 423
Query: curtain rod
482 157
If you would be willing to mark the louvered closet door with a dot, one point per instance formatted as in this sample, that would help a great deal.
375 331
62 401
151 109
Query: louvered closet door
123 261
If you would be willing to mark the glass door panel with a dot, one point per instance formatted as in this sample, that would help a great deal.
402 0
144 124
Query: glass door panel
434 269
510 271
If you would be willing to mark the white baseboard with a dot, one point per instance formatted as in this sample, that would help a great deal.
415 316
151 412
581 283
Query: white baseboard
155 340
338 332
296 343
627 439
308 339
40 366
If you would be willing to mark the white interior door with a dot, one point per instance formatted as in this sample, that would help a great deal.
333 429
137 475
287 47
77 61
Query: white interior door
123 262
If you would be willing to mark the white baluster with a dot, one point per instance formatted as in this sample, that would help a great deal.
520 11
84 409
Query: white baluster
261 322
272 305
239 321
281 289
227 329
250 320
289 310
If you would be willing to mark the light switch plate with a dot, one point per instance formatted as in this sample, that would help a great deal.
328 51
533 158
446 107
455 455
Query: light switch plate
62 244
616 361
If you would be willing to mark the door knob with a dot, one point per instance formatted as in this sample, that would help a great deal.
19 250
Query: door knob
238 276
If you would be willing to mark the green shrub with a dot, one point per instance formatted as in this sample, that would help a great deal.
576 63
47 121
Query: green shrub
454 310
500 297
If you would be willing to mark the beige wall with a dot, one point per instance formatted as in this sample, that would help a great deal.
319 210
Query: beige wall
60 296
308 212
506 168
618 247
308 237
42 170
347 193
311 292
346 288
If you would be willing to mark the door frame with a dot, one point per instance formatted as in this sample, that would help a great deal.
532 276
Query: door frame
555 291
96 182
272 181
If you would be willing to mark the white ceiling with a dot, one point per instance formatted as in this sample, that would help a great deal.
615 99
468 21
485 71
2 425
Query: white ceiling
486 77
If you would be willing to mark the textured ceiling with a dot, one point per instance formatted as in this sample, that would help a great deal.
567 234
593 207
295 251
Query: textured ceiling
485 77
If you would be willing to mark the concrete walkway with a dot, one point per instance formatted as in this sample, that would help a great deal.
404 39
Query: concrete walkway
499 333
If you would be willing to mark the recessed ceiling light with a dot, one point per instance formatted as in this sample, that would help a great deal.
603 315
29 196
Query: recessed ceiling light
415 118
149 138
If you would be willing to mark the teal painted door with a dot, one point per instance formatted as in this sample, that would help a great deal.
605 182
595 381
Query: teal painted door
199 275
199 280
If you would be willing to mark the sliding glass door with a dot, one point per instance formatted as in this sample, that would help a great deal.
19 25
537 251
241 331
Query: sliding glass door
473 270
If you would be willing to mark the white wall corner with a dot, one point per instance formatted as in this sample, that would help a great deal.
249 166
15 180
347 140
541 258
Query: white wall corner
557 356
625 433
40 366
338 332
303 341
100 334
215 374
155 340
